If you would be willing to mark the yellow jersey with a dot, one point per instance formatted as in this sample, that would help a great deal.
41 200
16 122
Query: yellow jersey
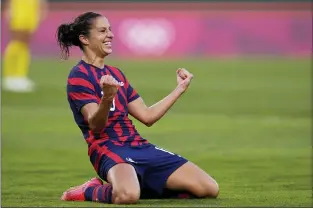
24 14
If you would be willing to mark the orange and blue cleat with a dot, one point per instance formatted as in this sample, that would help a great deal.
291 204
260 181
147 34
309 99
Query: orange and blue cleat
77 193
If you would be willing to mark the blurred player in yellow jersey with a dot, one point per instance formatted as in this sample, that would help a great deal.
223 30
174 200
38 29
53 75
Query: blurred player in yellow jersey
23 17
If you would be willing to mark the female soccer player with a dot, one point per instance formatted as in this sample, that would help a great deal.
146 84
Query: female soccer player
101 98
24 17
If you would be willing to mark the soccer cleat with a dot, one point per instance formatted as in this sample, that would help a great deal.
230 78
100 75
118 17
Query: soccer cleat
77 193
18 84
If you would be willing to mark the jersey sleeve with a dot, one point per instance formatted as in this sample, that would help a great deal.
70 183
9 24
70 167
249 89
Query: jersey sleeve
80 90
131 93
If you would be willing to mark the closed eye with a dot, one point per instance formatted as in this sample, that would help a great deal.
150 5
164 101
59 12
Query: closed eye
103 30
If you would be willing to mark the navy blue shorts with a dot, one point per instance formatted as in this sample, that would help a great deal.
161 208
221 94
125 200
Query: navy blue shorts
153 164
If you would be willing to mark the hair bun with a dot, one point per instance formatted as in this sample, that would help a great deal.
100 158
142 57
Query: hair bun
71 27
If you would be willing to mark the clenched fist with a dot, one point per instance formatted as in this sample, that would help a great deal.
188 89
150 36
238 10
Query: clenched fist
109 87
183 79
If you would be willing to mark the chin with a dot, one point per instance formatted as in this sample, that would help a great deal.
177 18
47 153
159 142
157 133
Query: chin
107 51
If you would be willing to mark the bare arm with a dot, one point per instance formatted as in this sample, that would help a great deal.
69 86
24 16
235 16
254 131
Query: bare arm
150 115
97 114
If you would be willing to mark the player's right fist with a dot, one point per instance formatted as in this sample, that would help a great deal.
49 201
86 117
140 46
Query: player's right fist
109 87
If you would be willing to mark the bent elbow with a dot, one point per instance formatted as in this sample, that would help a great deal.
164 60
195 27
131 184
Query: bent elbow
148 124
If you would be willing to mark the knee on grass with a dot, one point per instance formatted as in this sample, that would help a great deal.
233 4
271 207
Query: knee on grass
206 190
126 196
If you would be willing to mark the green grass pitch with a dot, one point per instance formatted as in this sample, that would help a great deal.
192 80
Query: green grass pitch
247 122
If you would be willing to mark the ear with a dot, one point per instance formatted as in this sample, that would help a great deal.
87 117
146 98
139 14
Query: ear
83 39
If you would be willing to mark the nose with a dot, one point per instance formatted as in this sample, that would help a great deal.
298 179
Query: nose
111 34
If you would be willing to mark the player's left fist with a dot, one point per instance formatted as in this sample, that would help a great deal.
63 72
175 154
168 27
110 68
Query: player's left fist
183 78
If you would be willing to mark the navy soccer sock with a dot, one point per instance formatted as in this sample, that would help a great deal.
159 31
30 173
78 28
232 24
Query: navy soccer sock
99 193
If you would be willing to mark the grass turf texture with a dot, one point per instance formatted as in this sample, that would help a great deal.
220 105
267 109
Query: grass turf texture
244 121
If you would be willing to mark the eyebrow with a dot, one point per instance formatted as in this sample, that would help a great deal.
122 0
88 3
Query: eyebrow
104 27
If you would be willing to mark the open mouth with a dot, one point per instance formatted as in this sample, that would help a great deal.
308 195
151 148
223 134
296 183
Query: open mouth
108 43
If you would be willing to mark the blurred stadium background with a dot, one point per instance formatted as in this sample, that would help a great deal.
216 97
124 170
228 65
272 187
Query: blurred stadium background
246 119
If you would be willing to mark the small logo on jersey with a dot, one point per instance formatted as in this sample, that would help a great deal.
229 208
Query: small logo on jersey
130 160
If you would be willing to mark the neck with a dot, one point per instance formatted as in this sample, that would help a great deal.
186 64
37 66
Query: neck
94 60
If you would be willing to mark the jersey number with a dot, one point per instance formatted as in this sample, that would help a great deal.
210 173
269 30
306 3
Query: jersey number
113 105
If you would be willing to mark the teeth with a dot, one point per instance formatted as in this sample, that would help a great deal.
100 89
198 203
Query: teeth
107 43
